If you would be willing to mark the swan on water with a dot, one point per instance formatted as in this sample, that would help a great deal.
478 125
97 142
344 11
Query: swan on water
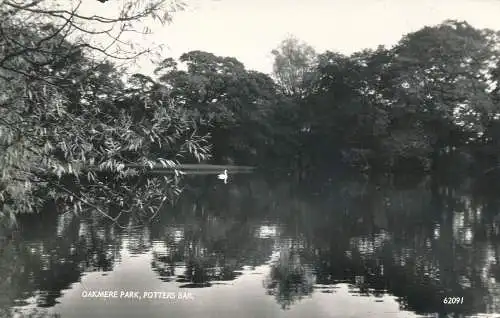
223 176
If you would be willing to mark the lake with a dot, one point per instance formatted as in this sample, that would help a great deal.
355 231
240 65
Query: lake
267 247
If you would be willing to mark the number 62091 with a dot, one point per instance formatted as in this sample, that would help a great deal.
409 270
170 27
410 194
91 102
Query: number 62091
453 300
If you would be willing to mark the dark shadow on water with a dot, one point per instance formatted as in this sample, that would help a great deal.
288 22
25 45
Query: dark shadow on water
414 238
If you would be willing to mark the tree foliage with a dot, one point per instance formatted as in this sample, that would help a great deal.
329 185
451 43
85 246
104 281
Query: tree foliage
428 94
70 129
293 66
235 103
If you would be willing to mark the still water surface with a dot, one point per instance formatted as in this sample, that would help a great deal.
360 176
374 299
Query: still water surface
261 248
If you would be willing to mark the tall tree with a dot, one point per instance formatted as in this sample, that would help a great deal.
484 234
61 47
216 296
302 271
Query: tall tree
293 67
234 102
437 82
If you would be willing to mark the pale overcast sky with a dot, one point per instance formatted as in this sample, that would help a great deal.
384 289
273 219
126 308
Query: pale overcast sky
249 30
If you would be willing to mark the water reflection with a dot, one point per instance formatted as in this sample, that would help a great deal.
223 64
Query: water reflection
407 244
291 277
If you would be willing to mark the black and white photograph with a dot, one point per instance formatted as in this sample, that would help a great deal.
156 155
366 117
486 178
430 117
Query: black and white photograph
250 159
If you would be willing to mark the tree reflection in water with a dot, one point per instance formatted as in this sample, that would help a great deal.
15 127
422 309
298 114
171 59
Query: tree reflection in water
52 253
291 277
417 241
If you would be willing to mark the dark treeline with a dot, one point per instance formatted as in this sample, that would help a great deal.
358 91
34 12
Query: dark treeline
429 103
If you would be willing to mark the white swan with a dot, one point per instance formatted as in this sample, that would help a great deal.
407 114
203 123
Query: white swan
223 176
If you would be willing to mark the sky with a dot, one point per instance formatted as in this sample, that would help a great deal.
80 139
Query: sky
249 30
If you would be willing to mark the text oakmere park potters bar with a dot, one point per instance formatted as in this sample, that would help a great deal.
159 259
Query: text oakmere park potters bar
133 294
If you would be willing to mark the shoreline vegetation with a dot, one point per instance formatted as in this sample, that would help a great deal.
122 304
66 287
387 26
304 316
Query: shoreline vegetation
191 167
428 105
